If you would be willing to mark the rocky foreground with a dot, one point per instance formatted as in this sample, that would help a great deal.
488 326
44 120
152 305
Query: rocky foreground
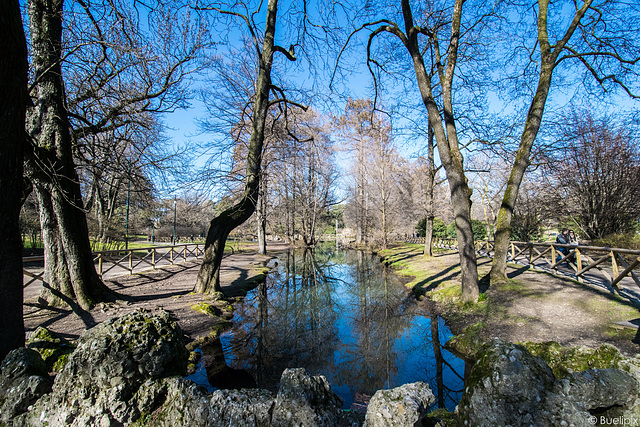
129 371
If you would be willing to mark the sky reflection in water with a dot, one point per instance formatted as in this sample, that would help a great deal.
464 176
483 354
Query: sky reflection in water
343 315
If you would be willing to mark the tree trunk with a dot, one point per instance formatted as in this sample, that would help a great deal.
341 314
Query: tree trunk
261 218
13 97
360 185
209 275
505 214
430 184
448 146
70 274
548 58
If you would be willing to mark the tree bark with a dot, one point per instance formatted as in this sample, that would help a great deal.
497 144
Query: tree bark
261 218
70 275
430 184
209 275
447 142
548 58
13 97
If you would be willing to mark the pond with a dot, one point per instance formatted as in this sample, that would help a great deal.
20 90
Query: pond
341 314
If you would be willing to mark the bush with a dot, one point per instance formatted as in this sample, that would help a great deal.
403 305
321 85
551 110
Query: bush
451 230
439 228
479 230
622 241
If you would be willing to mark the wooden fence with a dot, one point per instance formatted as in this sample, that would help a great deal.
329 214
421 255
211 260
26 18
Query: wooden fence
613 264
127 260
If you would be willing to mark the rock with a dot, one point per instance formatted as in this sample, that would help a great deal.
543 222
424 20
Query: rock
402 406
302 401
510 386
242 408
110 364
54 349
305 400
23 380
181 404
573 397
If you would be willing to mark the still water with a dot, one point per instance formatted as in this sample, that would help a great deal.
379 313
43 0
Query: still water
341 314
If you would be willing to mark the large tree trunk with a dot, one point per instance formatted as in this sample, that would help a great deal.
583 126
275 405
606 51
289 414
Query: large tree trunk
13 97
70 274
447 142
548 58
209 275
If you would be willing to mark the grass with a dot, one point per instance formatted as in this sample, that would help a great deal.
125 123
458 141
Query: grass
409 261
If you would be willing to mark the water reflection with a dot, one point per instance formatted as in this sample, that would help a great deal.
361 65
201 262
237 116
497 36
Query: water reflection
343 315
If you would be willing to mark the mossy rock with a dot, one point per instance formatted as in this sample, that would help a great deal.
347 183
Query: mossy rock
469 343
54 349
565 360
208 309
440 418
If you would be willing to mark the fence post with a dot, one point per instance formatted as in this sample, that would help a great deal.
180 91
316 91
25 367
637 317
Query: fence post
171 254
513 251
100 265
579 265
153 258
184 253
614 267
130 262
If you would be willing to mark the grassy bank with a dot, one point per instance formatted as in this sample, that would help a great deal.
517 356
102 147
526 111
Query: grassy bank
532 306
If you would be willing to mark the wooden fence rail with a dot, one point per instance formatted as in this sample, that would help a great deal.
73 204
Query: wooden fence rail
614 264
127 260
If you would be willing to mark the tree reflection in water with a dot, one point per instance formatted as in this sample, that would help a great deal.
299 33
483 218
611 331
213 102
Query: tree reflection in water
343 315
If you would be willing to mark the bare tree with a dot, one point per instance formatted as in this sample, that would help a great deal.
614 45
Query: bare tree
358 127
605 43
70 275
426 39
13 94
220 227
596 175
112 79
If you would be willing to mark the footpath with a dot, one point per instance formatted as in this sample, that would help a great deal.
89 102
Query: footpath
169 287
533 306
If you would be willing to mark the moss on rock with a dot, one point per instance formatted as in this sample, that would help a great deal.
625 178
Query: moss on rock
566 360
468 343
54 349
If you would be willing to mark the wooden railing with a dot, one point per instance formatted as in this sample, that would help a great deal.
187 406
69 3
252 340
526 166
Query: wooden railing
613 264
127 260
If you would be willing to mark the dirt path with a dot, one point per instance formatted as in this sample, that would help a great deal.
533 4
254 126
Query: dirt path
167 287
534 306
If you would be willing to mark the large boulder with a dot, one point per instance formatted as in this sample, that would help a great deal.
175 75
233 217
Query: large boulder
510 386
402 406
302 400
107 369
23 380
305 400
